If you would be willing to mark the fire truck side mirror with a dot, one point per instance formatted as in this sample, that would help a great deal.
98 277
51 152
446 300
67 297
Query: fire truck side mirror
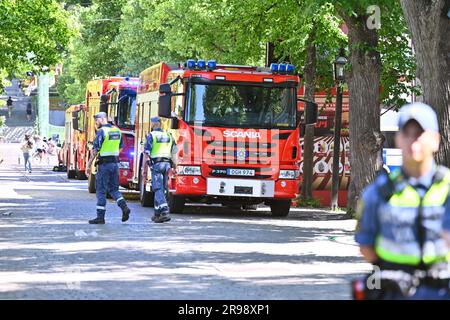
165 99
174 123
75 120
104 103
311 110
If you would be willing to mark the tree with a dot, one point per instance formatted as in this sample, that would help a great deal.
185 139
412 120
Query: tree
429 23
142 42
33 33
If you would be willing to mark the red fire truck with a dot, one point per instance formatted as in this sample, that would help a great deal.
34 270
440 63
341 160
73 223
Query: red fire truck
117 97
237 132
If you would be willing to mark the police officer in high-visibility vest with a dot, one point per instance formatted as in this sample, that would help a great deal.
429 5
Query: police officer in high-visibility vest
106 147
160 147
404 225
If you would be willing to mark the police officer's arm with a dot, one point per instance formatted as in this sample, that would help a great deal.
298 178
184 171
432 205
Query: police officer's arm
446 224
147 151
367 227
97 144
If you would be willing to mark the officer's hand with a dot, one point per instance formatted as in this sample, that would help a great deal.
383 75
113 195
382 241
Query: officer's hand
88 171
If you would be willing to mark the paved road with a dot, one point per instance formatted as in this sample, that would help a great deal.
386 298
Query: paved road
48 251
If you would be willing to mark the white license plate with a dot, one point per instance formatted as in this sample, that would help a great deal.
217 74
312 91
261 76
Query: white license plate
241 172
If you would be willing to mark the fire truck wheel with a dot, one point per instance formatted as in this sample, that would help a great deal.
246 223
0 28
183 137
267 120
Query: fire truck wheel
147 198
91 183
79 174
280 208
176 203
70 173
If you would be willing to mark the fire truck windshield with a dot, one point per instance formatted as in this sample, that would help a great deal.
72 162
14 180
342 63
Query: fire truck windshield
241 106
126 111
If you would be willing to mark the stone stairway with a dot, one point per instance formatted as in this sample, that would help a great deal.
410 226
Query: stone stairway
15 134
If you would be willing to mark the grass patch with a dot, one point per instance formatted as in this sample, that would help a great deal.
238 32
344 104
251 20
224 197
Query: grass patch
308 203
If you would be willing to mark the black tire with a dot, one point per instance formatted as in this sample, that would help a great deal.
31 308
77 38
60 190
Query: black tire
70 173
280 208
176 203
91 183
79 174
147 198
250 207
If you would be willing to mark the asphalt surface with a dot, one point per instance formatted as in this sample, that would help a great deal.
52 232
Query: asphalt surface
49 251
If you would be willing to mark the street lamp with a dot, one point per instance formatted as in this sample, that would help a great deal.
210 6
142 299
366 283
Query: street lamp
339 66
339 77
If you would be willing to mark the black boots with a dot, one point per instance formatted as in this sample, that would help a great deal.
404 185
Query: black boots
125 210
160 218
100 218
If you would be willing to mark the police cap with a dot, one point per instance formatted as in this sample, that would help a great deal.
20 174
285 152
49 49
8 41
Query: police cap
100 115
155 119
420 112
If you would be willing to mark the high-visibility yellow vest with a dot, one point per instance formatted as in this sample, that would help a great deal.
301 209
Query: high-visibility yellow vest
399 228
111 143
162 145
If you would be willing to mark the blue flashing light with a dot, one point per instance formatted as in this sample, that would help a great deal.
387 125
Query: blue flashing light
211 65
201 64
132 153
274 68
290 69
191 64
282 68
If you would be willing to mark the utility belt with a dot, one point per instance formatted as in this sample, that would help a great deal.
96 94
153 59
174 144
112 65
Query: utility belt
107 159
160 159
383 283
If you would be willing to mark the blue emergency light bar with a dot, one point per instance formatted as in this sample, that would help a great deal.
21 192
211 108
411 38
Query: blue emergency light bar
282 68
201 64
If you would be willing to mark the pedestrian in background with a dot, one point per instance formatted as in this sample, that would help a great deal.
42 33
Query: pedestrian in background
404 226
160 146
9 103
27 147
107 144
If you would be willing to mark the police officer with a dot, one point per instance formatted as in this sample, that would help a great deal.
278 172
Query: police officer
404 226
160 146
107 145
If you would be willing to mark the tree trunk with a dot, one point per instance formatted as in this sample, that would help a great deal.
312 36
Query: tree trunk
308 144
364 106
430 28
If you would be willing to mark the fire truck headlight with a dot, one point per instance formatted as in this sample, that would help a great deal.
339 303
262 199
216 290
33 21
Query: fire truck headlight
189 170
124 165
287 174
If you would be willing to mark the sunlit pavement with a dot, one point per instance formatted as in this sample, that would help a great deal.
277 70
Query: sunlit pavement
49 251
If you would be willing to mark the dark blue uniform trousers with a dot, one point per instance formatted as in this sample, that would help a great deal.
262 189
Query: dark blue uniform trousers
107 181
160 175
